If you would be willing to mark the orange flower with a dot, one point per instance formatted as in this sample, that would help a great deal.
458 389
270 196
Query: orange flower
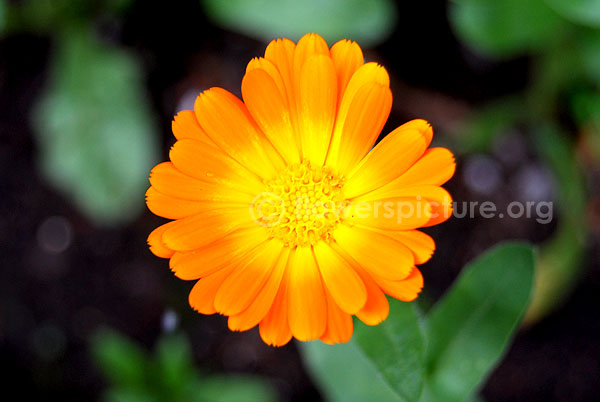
281 213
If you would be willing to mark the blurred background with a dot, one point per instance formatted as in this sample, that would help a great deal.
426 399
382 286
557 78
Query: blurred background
88 90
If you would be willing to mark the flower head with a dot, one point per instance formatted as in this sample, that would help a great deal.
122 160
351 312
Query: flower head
283 211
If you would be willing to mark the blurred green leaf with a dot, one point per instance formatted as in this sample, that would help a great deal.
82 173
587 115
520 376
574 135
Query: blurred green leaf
118 6
38 15
396 348
365 21
52 16
469 329
474 397
124 394
585 12
555 70
48 16
560 259
234 388
95 130
120 359
175 367
585 107
169 375
588 48
478 132
344 373
3 12
505 28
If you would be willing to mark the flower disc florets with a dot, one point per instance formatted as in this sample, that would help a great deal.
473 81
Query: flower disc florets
303 204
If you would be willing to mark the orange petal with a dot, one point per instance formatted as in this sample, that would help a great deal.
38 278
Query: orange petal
169 207
242 287
157 246
407 289
307 304
377 308
367 74
421 244
166 179
274 328
202 295
316 107
230 249
397 152
440 211
341 280
339 324
261 305
379 255
210 164
308 46
279 68
260 63
421 126
435 167
199 230
185 125
271 111
347 57
280 52
366 117
392 213
228 123
438 198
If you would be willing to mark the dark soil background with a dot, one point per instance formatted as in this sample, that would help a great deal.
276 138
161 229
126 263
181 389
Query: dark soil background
53 298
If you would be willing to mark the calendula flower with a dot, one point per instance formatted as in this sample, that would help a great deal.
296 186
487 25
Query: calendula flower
282 212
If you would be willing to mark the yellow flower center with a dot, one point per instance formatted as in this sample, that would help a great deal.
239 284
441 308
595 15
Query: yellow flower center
302 205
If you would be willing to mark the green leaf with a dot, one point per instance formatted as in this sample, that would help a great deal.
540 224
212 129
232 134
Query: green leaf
584 12
585 106
588 48
474 397
478 132
365 21
3 12
507 27
233 388
396 348
380 363
125 394
170 376
48 16
121 360
561 257
344 374
95 131
174 364
118 7
469 329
